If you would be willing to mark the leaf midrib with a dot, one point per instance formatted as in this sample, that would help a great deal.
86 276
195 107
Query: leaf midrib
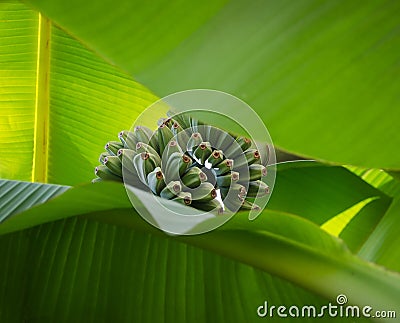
42 102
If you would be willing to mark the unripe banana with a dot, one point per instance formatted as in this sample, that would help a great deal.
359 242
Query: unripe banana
203 151
126 137
256 172
144 164
224 167
113 146
183 120
164 135
113 163
193 177
228 179
215 158
155 181
102 156
204 192
176 165
233 203
176 128
244 143
125 154
104 173
257 189
252 156
172 190
184 198
165 121
142 134
208 206
247 205
234 190
184 164
180 135
171 148
223 140
194 140
143 148
126 157
238 147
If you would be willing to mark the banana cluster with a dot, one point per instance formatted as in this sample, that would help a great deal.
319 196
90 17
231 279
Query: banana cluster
189 162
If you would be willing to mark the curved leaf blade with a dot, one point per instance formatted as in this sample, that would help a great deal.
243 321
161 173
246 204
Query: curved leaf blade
306 68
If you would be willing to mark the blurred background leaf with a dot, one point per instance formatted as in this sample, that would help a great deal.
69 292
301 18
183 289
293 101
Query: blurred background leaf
321 74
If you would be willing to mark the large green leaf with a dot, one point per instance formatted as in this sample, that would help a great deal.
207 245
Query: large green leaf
74 100
86 271
321 74
284 245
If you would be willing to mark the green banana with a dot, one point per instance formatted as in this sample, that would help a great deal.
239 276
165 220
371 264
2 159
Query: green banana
130 139
194 140
184 198
171 148
165 121
223 141
113 163
244 143
125 154
203 151
235 190
204 192
102 156
257 189
184 164
113 146
224 167
103 172
155 180
216 157
176 128
233 203
209 206
126 137
256 171
176 165
247 205
172 190
181 119
142 134
252 156
226 180
144 164
164 135
193 177
240 145
143 148
180 135
126 157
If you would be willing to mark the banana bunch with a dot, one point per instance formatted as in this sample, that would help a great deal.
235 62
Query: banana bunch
178 162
